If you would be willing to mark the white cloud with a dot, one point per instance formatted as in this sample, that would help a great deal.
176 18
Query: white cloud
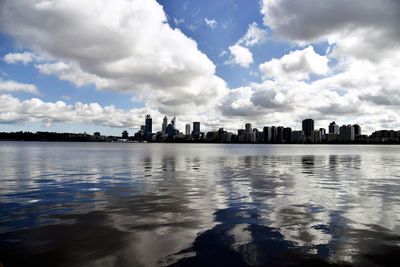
11 86
240 55
16 111
357 91
24 57
131 48
360 28
212 23
125 46
253 36
178 21
72 73
297 65
12 110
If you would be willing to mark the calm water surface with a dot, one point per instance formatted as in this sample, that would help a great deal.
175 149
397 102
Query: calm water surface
84 204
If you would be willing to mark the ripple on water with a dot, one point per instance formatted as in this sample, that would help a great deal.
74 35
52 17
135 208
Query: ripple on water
185 205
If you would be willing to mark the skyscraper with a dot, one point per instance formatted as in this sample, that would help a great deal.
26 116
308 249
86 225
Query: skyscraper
267 134
196 129
333 128
287 135
274 134
357 130
173 121
248 128
164 125
279 134
308 127
149 126
346 133
187 129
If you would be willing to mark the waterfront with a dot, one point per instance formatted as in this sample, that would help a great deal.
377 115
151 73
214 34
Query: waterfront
103 204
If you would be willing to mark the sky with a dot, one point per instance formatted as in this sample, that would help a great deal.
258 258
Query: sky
82 65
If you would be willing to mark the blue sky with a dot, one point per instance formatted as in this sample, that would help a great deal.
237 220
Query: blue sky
89 66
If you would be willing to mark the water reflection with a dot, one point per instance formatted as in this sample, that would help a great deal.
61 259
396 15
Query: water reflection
161 204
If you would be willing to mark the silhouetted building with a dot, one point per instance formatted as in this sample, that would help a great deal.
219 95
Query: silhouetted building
253 137
287 135
164 125
346 133
274 134
385 136
308 127
259 135
332 138
357 130
173 121
96 134
149 127
241 135
171 131
323 133
333 128
298 137
125 135
212 136
316 137
279 134
267 134
248 128
227 137
196 130
187 129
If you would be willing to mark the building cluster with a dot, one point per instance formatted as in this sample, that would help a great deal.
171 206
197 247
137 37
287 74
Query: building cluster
61 137
269 134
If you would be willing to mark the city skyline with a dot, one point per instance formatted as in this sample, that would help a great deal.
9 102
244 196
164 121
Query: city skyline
345 134
74 66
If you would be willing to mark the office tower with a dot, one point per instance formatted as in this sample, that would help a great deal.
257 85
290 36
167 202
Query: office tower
241 135
316 137
267 134
274 134
323 133
298 137
287 135
196 129
253 137
164 125
187 129
346 133
149 126
173 121
248 128
333 128
241 132
170 131
308 127
279 134
357 130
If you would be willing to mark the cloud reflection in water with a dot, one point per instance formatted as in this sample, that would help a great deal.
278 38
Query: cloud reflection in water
166 204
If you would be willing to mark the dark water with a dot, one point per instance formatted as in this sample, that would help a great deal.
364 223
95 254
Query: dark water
81 204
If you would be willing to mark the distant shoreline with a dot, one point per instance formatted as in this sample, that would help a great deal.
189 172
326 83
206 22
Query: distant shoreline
194 142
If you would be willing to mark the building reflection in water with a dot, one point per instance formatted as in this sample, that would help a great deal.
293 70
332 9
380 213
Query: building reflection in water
162 204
